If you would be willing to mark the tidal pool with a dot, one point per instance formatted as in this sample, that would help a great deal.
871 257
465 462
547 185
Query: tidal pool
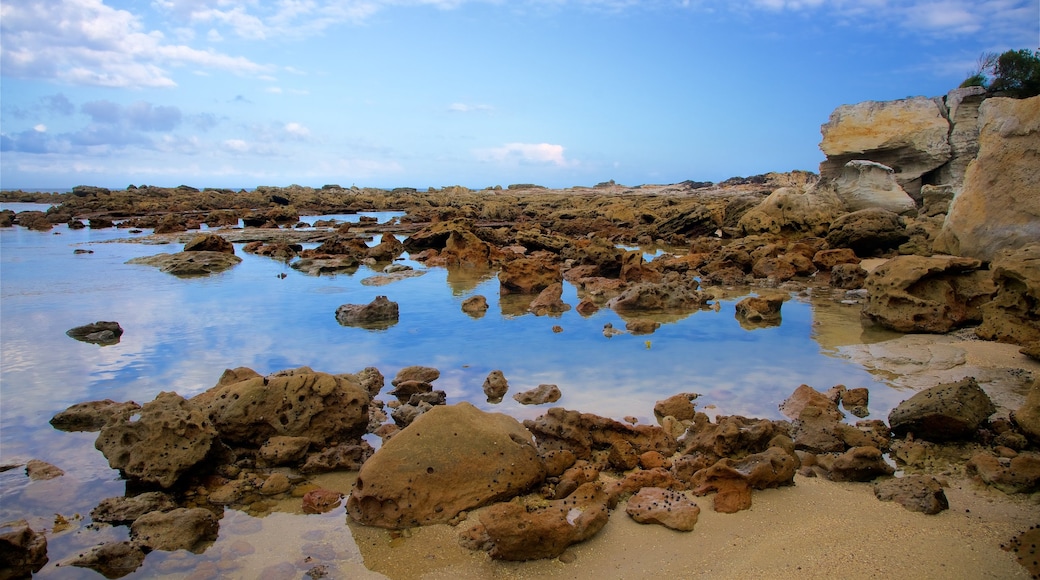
180 334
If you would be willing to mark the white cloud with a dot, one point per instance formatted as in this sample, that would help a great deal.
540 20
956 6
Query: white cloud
41 128
466 108
297 130
236 146
85 42
530 153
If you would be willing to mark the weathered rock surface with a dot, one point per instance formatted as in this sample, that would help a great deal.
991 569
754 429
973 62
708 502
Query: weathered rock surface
343 457
169 437
528 276
549 301
581 433
962 105
944 412
475 306
917 493
189 529
111 559
1018 474
539 395
868 231
450 459
805 396
319 501
209 243
855 464
908 135
760 310
671 509
301 402
39 470
790 209
101 332
23 551
512 531
495 386
1014 313
189 264
648 297
999 205
1027 417
927 294
679 406
283 450
124 510
381 313
92 415
866 184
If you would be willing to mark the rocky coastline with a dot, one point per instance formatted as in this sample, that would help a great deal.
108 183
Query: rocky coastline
926 212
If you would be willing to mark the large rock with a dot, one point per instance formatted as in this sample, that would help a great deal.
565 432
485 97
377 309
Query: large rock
125 510
1027 417
868 231
671 509
111 559
450 459
790 209
865 184
944 412
189 529
512 531
190 264
908 135
649 297
209 242
999 205
23 551
169 437
962 106
917 493
927 294
528 276
1014 313
381 313
323 408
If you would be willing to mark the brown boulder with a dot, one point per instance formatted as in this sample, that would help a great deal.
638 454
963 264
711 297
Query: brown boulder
475 306
528 276
1018 474
827 259
805 396
927 294
209 243
581 433
856 464
321 407
512 531
539 395
760 309
917 493
93 415
319 501
282 450
23 552
549 301
111 559
868 231
680 406
1027 417
125 510
671 509
170 436
945 412
379 314
495 386
450 459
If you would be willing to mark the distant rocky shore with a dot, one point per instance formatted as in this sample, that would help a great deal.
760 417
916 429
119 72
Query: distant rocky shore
942 194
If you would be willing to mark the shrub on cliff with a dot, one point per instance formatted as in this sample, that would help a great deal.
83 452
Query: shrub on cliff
1015 73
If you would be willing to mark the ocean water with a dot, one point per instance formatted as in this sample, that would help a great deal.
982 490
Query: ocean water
180 334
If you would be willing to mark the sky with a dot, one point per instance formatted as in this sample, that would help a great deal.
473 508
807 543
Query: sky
432 93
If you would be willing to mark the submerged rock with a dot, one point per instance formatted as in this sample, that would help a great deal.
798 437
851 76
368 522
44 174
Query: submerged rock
92 415
450 459
189 529
23 552
111 559
190 264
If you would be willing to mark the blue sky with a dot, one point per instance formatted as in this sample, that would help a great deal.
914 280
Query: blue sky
420 93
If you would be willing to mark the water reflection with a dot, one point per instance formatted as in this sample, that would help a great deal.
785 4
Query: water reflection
180 335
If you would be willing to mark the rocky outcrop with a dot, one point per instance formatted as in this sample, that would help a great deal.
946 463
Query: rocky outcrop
866 184
513 531
125 510
868 231
190 264
101 332
1018 474
671 295
788 209
528 276
581 433
1027 417
301 402
927 294
909 135
760 310
549 301
450 459
169 437
999 205
962 106
111 559
942 413
1014 313
379 314
917 493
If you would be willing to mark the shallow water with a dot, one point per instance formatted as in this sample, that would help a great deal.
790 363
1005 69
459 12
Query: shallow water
180 335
